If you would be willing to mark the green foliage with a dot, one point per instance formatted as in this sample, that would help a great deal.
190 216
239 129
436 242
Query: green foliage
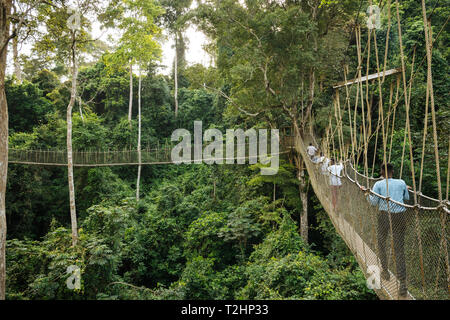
266 50
199 232
196 279
58 39
180 243
46 80
282 267
338 285
27 106
200 77
285 181
137 45
106 91
153 254
44 274
197 105
241 229
203 236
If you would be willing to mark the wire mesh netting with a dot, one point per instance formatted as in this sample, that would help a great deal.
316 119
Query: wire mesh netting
147 156
90 158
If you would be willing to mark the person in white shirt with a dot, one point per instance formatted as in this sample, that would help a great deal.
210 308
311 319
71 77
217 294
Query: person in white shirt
311 151
320 159
335 180
315 159
325 163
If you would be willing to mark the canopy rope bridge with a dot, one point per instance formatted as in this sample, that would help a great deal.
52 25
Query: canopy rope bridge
159 155
97 158
424 228
409 240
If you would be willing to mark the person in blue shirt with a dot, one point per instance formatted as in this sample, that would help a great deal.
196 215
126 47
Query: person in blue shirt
397 190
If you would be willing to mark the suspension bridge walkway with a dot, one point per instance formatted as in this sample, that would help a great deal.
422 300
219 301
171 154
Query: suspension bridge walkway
158 155
426 232
410 241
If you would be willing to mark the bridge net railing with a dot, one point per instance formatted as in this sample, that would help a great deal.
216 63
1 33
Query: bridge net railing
147 156
90 158
368 233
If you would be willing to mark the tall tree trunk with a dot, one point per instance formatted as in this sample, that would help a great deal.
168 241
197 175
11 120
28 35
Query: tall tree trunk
304 197
73 96
303 192
139 137
176 75
130 106
80 107
17 69
5 11
303 185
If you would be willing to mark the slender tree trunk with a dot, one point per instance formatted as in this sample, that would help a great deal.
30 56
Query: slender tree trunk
73 96
17 69
139 137
130 107
304 197
302 188
80 107
176 75
5 11
274 192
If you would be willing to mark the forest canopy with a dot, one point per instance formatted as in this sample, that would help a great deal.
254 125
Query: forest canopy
220 232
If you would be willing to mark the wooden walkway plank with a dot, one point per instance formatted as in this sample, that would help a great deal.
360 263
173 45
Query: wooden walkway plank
367 78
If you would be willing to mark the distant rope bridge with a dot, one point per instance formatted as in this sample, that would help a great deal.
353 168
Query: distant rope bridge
109 158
